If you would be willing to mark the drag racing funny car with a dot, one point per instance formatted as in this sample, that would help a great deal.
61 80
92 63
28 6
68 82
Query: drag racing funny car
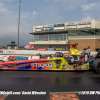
58 63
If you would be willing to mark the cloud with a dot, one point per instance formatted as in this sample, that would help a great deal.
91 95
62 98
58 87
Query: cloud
70 5
57 11
9 26
3 9
29 15
59 18
1 4
47 0
87 18
89 7
25 15
55 1
12 29
34 15
9 0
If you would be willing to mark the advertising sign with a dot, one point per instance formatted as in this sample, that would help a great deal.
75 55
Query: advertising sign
74 23
86 22
68 27
48 29
84 26
50 49
60 49
67 54
41 49
59 28
29 46
1 51
48 25
9 51
39 30
13 58
39 27
57 25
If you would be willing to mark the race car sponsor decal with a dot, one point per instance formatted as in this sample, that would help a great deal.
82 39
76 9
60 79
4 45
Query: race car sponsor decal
65 66
1 66
85 66
43 65
70 69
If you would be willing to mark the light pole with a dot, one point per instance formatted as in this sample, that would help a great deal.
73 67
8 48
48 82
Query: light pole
18 24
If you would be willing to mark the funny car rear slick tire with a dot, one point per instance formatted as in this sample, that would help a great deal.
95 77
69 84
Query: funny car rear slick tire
96 65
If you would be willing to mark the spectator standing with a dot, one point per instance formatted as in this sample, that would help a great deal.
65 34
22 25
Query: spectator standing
88 51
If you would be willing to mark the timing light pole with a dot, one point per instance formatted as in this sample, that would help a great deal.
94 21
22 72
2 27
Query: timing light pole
18 24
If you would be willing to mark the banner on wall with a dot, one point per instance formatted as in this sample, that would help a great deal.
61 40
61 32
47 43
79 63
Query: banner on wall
39 27
48 29
60 49
57 25
58 28
14 58
50 49
74 23
39 30
9 51
48 25
86 22
69 27
1 51
84 26
41 49
29 46
67 54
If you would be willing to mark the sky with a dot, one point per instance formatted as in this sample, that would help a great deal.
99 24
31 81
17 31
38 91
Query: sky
40 12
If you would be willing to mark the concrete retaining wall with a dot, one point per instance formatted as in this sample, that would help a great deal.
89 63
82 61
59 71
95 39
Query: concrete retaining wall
4 57
4 54
32 52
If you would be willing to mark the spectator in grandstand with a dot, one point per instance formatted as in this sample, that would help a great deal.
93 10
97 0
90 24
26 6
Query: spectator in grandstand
54 48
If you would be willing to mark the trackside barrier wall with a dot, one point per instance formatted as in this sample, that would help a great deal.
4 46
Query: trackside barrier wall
34 52
4 57
4 54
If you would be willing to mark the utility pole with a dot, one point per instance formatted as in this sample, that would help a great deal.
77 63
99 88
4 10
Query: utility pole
18 24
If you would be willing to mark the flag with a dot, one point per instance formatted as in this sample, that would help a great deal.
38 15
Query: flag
29 46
